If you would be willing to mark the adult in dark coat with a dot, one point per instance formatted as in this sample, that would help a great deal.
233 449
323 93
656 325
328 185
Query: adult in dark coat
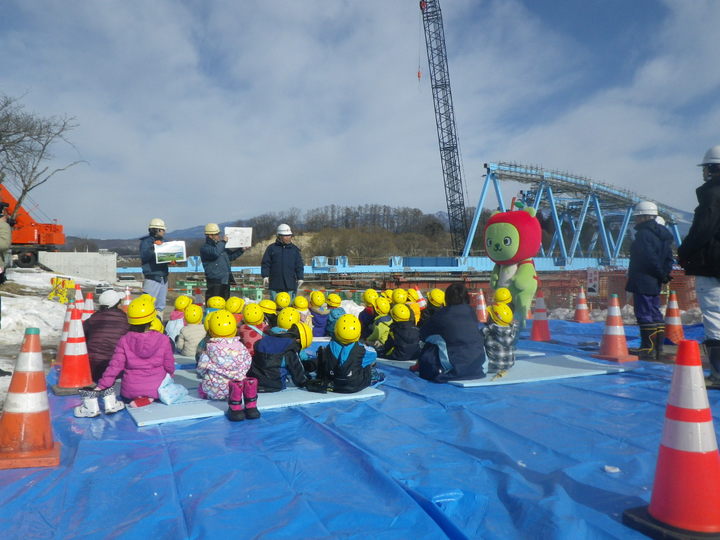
651 262
103 329
155 275
282 266
699 255
216 262
458 327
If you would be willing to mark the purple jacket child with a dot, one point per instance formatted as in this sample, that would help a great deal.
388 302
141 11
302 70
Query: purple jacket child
143 359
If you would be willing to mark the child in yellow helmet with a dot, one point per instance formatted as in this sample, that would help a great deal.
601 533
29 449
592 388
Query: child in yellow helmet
253 328
186 342
319 313
381 324
177 317
500 332
278 356
403 341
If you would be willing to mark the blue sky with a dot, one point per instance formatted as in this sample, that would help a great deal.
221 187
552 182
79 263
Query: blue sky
212 111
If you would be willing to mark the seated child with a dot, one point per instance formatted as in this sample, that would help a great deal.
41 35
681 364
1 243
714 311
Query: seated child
436 301
416 303
192 333
269 309
285 320
103 329
301 304
214 303
225 359
277 356
143 357
177 317
319 313
333 303
343 366
368 314
282 300
254 327
499 334
403 341
381 324
235 305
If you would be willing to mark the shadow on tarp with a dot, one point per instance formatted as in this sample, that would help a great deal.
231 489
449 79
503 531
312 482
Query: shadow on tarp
425 461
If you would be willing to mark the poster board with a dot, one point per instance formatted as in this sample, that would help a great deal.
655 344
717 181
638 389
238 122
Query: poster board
238 237
168 252
593 282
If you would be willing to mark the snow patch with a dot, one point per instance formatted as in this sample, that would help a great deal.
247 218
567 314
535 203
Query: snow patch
21 312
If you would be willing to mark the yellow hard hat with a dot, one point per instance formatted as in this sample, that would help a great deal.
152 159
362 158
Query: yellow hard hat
334 300
369 296
387 293
234 304
399 296
347 329
382 305
300 302
216 302
181 302
157 325
437 297
253 314
283 300
268 306
193 314
317 298
305 332
223 324
287 317
141 310
501 314
502 296
146 296
212 228
206 322
413 295
400 312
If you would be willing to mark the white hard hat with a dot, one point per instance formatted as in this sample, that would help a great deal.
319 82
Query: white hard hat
109 298
156 223
711 156
283 229
660 221
212 228
645 208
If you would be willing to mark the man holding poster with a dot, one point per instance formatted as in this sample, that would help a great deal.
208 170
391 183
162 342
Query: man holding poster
155 274
216 258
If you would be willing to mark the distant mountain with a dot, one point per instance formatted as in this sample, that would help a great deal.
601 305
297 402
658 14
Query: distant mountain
193 233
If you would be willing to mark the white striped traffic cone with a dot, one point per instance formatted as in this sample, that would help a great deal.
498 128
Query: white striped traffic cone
673 323
481 307
64 335
582 313
686 491
614 345
75 372
26 438
126 300
540 326
88 306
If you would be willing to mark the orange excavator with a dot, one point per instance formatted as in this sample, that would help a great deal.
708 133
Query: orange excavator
29 236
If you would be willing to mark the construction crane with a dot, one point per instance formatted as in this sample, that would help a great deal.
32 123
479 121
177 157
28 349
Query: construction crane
445 122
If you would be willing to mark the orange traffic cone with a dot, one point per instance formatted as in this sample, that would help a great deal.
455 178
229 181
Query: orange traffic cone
582 313
88 307
481 308
64 335
26 438
614 346
685 500
126 300
673 324
75 372
78 297
540 326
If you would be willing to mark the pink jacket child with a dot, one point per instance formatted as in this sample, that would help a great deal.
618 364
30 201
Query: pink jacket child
143 358
224 360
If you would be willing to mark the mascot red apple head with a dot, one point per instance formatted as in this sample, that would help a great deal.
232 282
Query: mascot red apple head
511 237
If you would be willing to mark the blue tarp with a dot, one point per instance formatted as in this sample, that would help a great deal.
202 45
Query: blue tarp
425 461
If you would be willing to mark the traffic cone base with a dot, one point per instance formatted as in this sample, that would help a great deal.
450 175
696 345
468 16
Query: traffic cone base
640 519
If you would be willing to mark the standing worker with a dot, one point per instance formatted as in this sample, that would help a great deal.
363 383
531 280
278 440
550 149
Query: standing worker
282 264
216 262
651 262
155 275
699 255
5 242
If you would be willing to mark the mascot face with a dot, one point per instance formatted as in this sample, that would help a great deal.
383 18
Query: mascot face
511 237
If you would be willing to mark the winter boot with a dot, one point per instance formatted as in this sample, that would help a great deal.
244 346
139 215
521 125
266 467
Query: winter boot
646 351
660 342
250 392
713 351
90 407
110 402
235 411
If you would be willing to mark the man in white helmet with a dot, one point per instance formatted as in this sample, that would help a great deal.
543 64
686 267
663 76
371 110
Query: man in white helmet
651 261
216 262
282 266
156 275
699 255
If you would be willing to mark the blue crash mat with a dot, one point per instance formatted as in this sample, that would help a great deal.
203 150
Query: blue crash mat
193 406
544 368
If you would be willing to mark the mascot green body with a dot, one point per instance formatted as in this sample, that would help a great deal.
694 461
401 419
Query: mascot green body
512 239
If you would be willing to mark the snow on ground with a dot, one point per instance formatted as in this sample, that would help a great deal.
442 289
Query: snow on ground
21 312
